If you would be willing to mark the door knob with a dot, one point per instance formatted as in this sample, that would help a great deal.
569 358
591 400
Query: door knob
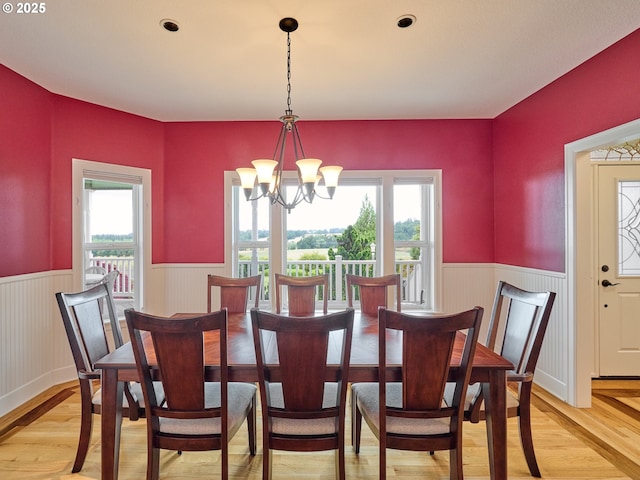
607 283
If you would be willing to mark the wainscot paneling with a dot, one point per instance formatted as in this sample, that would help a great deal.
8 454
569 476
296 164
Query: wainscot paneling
184 288
34 352
470 284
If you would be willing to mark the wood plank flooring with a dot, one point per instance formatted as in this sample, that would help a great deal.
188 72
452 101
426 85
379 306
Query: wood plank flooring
597 443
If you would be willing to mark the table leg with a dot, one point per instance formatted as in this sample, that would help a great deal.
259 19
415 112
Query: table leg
111 422
496 423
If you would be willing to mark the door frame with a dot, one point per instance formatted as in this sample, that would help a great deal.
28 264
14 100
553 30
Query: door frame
580 258
78 168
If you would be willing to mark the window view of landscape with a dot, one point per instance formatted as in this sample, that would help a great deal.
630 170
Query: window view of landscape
338 236
109 243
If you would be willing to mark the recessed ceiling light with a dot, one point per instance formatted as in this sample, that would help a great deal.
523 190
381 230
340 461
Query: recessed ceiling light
170 25
406 21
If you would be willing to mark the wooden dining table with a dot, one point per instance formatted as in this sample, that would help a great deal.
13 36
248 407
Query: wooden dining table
489 368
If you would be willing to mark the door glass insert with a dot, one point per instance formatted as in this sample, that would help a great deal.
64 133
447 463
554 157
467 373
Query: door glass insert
629 228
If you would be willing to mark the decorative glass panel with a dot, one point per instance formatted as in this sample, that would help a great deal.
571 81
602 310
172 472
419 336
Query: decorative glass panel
629 228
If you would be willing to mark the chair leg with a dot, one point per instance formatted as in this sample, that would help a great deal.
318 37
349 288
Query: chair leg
251 425
267 462
86 426
224 453
356 424
455 464
524 422
340 462
153 462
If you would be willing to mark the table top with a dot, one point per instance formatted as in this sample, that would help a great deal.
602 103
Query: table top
363 363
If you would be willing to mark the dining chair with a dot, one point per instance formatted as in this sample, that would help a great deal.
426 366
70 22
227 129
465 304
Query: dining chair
196 414
411 414
301 293
234 292
303 399
82 315
518 324
373 291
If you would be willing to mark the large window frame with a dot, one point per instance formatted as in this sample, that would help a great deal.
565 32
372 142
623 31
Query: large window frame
385 181
140 178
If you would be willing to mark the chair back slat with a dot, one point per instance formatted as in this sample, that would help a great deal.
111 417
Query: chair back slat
301 294
303 355
91 330
234 292
426 358
373 292
180 360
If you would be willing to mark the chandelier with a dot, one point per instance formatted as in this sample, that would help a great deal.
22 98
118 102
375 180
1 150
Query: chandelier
269 171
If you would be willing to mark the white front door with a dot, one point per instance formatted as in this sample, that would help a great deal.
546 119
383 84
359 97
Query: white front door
619 269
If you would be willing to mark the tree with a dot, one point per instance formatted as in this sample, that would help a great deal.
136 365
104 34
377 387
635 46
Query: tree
355 242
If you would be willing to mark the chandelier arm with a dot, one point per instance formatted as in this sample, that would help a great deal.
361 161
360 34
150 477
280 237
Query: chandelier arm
297 143
278 155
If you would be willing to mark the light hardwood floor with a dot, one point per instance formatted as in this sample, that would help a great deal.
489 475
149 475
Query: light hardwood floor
39 442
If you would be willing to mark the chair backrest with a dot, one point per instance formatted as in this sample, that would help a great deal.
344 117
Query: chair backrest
178 346
234 292
519 322
110 278
302 293
427 351
298 359
373 291
83 322
518 325
96 269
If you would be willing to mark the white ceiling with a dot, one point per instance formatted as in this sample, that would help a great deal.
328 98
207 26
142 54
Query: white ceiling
461 59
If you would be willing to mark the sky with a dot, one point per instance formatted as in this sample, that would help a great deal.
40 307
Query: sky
341 211
109 207
111 212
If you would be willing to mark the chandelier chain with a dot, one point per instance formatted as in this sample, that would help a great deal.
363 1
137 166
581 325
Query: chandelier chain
288 74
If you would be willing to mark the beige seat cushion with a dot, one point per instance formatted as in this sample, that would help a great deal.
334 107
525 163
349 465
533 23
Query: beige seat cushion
472 391
368 399
240 397
315 426
136 391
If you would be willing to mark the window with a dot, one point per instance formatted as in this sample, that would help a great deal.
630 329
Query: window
111 224
401 217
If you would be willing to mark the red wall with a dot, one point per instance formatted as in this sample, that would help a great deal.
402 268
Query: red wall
197 154
529 144
503 179
25 168
89 132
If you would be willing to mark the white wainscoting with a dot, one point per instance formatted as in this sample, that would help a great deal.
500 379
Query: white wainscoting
35 355
183 289
34 352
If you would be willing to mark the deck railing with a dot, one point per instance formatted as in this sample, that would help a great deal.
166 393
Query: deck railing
410 276
124 285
